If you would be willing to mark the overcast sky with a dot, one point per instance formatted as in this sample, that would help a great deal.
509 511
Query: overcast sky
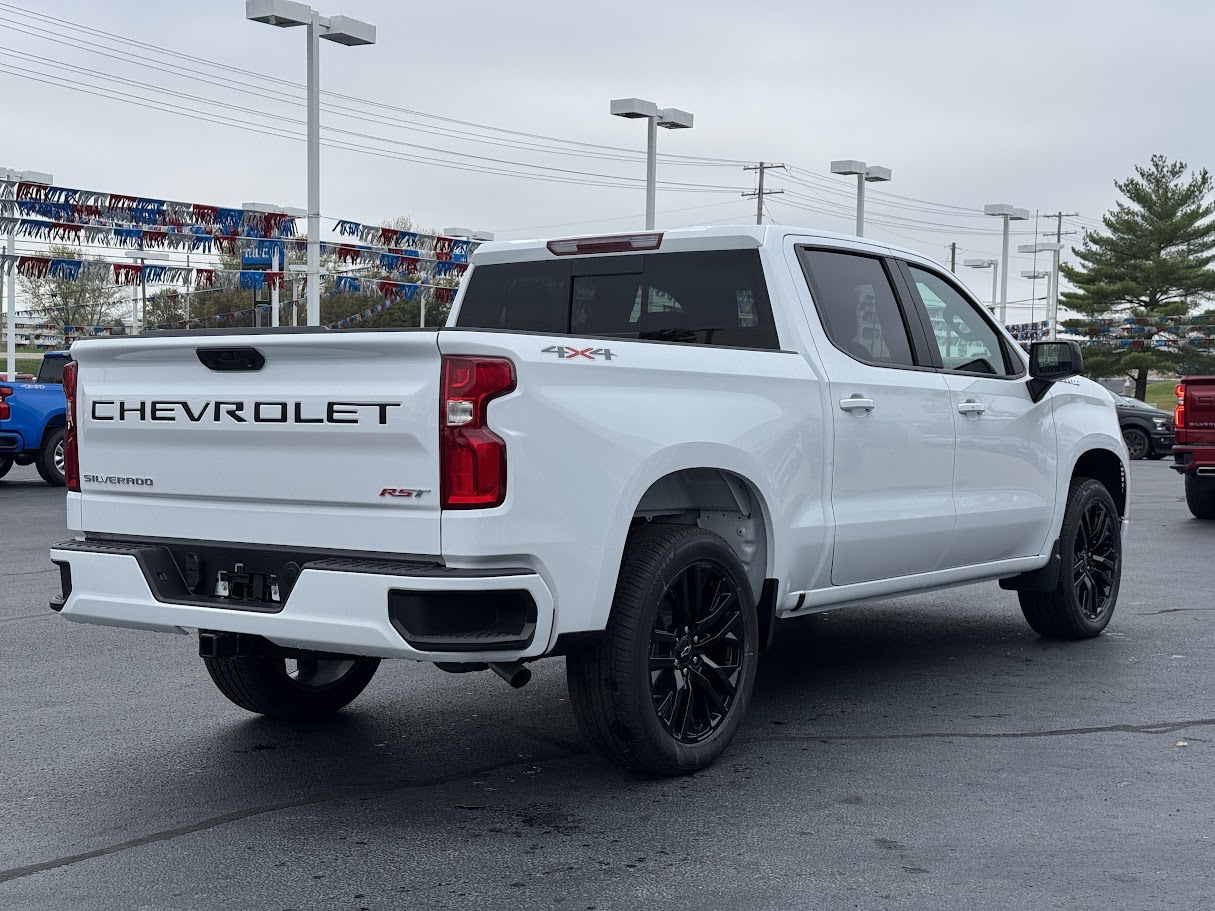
1038 104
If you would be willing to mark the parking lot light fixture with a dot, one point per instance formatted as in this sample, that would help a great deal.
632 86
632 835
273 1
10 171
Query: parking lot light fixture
992 264
1052 305
668 119
1009 214
340 30
864 174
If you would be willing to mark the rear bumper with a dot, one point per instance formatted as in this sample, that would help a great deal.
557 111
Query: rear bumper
340 606
1194 460
10 443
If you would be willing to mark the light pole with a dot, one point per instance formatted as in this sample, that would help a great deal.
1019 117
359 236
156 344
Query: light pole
343 30
991 264
668 119
864 174
9 174
1052 293
1009 214
1036 275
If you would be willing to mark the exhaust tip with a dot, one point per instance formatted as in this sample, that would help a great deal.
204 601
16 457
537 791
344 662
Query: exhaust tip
515 673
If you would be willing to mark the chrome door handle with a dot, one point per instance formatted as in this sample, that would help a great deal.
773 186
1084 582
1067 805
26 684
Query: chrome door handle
856 403
970 406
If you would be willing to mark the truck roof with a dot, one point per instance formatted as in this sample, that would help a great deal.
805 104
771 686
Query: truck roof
708 237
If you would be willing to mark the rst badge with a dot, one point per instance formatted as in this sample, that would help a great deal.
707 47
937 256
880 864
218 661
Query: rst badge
409 493
567 353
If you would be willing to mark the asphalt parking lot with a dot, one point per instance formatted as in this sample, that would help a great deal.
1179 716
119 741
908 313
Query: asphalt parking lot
929 752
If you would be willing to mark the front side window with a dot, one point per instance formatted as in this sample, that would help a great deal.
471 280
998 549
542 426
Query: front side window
858 307
967 342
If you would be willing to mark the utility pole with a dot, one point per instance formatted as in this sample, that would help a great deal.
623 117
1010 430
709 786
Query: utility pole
760 193
1052 305
953 257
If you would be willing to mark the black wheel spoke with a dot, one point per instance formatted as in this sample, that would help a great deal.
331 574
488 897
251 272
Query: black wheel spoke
709 691
662 663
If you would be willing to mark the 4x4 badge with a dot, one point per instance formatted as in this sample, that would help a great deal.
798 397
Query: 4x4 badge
565 352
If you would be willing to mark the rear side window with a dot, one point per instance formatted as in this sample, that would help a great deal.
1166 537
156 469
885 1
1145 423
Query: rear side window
705 298
51 369
858 307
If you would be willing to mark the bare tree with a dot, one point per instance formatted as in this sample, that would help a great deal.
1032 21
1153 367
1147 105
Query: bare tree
83 301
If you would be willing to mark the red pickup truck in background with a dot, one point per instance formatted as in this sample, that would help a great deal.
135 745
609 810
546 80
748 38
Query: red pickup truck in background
1194 445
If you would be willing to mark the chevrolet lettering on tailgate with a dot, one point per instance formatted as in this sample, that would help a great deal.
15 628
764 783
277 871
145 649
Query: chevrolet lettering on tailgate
241 412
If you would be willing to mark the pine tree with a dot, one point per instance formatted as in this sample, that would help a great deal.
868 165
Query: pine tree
1152 260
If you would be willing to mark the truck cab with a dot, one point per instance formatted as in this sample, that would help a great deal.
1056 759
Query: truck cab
32 419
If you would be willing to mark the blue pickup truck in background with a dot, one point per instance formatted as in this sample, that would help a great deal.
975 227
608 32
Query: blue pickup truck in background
32 420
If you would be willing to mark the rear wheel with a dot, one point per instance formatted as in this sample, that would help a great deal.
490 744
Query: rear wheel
289 687
50 459
1090 570
1137 443
666 688
1200 496
5 464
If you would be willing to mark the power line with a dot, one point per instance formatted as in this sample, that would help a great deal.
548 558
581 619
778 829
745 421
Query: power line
211 65
356 134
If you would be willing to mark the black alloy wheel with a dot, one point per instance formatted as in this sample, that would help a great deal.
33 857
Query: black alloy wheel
697 646
1137 443
1095 560
1084 591
667 686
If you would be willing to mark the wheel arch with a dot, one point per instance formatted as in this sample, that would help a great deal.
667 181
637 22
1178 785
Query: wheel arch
720 500
55 422
1107 467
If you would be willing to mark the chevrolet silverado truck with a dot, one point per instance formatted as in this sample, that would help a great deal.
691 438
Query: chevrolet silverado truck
1194 446
32 419
637 452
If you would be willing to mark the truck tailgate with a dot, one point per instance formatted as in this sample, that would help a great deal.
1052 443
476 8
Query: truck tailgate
1196 426
332 443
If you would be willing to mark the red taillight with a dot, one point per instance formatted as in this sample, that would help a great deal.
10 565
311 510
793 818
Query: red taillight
71 456
6 410
619 243
473 470
1179 411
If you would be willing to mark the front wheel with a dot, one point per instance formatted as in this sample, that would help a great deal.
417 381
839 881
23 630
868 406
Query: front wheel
666 688
1090 569
289 687
1200 496
1137 443
50 459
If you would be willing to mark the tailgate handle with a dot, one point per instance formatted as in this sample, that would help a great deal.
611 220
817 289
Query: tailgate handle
231 359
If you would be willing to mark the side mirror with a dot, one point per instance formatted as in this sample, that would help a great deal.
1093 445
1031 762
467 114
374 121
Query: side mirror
1050 362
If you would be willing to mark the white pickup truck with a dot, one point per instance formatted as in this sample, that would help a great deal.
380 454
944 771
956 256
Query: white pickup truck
635 451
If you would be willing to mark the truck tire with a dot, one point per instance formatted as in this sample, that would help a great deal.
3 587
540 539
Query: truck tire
1200 496
1137 443
5 464
50 459
299 689
665 689
1090 570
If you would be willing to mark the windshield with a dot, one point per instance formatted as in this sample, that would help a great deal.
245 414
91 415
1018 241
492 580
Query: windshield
1134 403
